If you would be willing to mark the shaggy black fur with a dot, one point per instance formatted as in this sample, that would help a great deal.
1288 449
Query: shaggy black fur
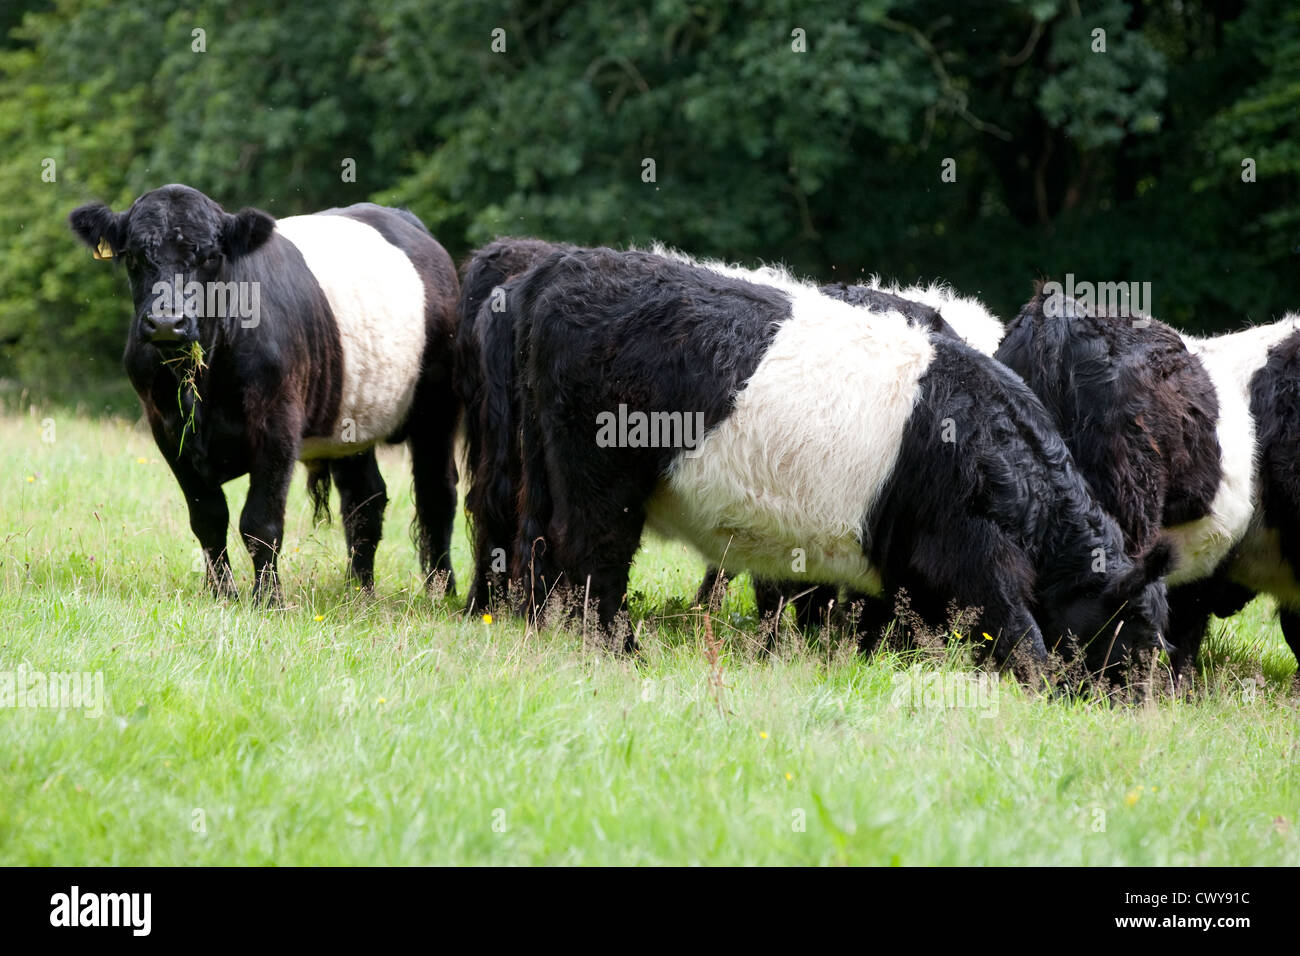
874 300
998 519
1140 415
1136 408
266 389
485 380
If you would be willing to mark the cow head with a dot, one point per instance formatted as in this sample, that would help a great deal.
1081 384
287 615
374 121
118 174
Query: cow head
1123 613
169 238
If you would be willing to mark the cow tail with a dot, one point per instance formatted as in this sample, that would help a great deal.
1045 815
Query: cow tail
534 561
318 490
468 363
497 465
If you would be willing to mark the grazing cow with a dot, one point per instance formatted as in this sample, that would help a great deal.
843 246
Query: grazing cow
1198 436
894 458
1135 407
348 344
1249 543
485 345
920 306
485 381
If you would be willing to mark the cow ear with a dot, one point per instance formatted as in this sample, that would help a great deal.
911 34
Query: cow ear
245 231
1155 564
100 228
1159 559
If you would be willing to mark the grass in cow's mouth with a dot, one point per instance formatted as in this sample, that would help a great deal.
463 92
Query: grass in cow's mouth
191 361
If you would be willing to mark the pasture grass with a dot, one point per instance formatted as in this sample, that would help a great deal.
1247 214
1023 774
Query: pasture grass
348 729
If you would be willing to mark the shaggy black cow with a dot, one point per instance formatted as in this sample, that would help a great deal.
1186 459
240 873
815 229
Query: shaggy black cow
1136 409
893 458
485 380
257 342
486 383
1200 437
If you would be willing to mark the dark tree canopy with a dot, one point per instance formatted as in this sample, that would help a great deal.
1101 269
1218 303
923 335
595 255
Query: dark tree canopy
814 133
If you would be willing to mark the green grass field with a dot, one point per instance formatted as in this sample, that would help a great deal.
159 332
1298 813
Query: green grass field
345 729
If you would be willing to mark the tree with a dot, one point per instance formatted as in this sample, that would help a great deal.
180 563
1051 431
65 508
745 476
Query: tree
1012 139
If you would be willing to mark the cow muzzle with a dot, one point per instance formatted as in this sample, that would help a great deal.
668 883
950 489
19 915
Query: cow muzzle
165 328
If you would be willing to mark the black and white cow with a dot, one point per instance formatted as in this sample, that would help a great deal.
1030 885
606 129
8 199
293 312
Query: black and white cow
485 380
348 344
892 457
1249 543
486 383
923 307
1199 437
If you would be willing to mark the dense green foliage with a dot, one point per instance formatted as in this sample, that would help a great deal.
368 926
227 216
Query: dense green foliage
1117 165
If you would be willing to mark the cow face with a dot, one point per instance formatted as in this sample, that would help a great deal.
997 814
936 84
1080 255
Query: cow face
1125 617
170 239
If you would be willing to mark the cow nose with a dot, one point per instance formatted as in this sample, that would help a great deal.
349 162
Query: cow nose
163 328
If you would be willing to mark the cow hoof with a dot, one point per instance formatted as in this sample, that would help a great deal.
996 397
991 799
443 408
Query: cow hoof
269 598
223 588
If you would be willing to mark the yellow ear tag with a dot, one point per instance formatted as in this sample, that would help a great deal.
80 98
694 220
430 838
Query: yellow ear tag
104 250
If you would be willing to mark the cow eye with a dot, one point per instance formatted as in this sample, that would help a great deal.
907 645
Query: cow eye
211 260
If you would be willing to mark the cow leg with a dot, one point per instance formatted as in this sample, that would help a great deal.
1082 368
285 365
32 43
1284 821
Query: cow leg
209 519
596 552
1189 614
936 584
534 561
1190 607
874 616
1017 641
262 521
493 505
592 518
770 600
813 604
362 499
770 597
1290 621
714 577
433 464
1289 618
490 579
1004 616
